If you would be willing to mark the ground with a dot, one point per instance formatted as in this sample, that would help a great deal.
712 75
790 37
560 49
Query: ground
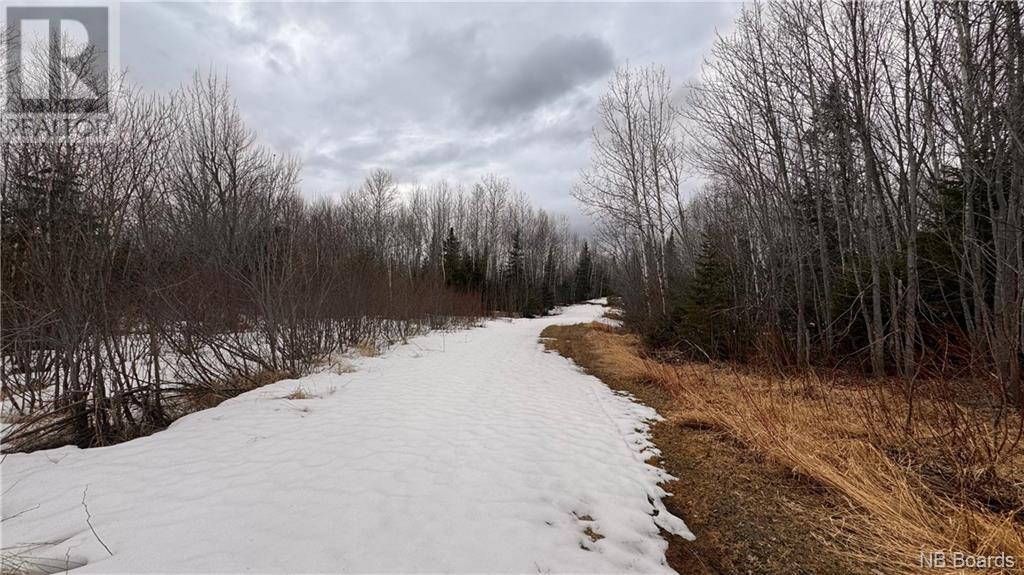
467 451
750 515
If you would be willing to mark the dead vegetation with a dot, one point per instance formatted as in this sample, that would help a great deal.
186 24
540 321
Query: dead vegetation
20 561
368 348
48 428
299 393
934 475
341 367
200 398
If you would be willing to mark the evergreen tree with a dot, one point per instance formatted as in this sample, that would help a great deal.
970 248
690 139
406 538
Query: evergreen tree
514 280
548 296
455 273
584 270
702 318
674 270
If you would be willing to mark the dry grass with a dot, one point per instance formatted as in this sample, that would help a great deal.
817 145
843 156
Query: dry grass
299 393
594 536
368 349
948 479
202 398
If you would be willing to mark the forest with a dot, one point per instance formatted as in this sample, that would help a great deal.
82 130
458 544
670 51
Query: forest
177 260
819 242
789 339
864 195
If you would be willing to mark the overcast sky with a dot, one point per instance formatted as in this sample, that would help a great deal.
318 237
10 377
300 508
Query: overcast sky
430 91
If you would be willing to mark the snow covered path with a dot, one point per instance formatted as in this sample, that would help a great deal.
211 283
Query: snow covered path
473 451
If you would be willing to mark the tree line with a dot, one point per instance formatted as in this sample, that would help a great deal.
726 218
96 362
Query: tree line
177 257
864 197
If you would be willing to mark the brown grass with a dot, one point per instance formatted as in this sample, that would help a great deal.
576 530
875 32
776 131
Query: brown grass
948 479
299 393
201 398
594 536
368 349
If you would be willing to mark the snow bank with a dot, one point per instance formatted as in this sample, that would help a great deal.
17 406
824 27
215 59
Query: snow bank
473 451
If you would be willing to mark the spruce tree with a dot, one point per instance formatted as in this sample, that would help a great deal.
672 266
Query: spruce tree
702 319
454 270
584 269
548 297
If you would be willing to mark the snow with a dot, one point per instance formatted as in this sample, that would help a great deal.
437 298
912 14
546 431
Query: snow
467 451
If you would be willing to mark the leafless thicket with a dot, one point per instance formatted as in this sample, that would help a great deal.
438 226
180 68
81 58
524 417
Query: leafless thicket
177 259
633 186
865 196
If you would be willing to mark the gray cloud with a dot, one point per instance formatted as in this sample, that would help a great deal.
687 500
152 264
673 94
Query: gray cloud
433 91
546 72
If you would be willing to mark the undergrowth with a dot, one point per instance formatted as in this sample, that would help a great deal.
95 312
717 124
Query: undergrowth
917 477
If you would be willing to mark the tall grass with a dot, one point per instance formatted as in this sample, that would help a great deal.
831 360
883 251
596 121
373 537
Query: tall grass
917 476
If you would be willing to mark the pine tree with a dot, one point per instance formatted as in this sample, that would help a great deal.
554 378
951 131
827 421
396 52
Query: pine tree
702 319
454 269
548 297
674 269
584 269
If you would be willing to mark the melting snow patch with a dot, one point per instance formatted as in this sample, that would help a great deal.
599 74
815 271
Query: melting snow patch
471 451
